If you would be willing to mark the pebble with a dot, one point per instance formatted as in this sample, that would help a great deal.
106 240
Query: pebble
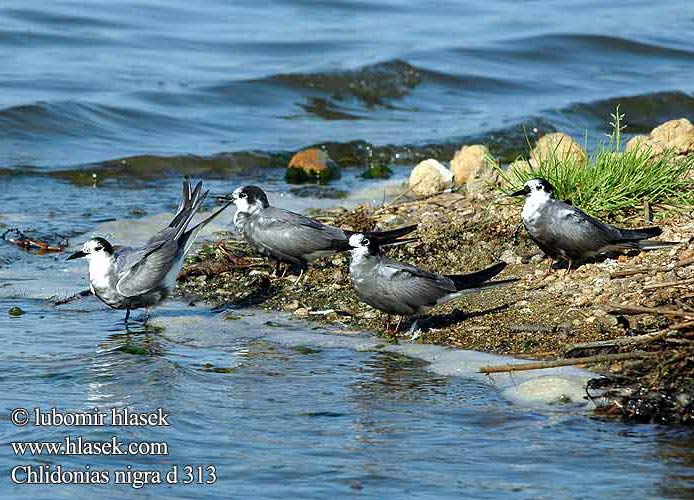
15 311
291 306
301 312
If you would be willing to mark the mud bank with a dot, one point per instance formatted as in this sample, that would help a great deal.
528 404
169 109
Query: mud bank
542 316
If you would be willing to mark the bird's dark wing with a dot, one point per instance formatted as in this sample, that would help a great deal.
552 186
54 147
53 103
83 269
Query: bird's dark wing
412 285
575 232
287 234
142 270
477 278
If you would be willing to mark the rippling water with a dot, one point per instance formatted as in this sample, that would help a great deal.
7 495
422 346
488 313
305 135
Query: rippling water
143 91
91 81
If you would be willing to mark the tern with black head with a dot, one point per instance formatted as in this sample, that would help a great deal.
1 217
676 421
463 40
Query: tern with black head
398 288
564 232
290 237
131 278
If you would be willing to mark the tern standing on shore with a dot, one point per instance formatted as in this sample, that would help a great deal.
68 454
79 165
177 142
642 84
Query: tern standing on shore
290 237
398 288
564 232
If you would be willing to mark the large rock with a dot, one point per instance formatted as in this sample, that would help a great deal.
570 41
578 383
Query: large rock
312 164
430 177
471 166
559 146
675 135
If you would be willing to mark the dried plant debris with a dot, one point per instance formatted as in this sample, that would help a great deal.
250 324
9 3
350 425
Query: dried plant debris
17 237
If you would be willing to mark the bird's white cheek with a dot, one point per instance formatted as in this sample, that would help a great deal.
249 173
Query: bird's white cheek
242 205
533 206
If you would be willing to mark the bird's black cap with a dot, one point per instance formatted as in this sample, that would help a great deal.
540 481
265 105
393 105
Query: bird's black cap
253 194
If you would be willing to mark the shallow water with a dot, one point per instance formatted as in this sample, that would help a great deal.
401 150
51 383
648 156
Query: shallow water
222 90
282 408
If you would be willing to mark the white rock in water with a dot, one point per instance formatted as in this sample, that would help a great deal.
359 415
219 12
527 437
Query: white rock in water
430 177
548 390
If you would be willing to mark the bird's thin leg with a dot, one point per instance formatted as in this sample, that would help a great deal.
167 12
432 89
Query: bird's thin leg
568 269
301 275
397 327
386 323
276 272
549 267
127 315
146 316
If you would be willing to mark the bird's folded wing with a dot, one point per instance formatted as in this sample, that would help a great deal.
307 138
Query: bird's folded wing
127 257
579 232
146 268
412 285
293 234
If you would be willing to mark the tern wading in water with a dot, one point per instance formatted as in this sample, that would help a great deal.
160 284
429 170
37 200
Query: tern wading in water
564 232
131 278
290 237
398 288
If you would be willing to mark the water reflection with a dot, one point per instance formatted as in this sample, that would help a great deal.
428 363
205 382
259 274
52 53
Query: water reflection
675 449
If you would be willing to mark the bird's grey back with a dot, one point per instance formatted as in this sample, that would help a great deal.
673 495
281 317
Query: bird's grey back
395 287
569 232
147 268
290 236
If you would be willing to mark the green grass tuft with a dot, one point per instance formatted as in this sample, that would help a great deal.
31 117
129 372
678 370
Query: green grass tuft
610 181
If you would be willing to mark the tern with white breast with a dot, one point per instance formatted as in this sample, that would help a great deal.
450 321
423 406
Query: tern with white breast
290 237
131 278
564 232
398 288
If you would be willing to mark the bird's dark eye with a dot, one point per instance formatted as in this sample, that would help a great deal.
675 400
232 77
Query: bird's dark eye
242 195
365 242
98 249
539 188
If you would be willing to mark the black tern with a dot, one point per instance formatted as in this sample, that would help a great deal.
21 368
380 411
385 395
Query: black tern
398 288
131 278
290 237
564 232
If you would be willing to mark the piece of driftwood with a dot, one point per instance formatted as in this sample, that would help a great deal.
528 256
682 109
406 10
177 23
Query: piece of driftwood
655 269
618 342
668 284
682 326
72 298
588 360
627 309
537 328
16 237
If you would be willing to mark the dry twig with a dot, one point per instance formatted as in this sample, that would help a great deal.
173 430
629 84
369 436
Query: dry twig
589 360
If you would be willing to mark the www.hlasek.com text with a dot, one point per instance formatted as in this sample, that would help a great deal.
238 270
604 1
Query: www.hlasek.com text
80 446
